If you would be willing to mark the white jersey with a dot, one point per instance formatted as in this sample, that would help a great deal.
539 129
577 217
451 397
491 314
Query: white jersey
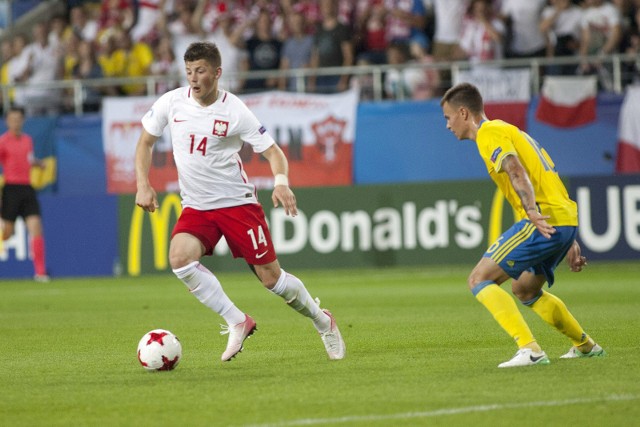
525 16
206 142
448 17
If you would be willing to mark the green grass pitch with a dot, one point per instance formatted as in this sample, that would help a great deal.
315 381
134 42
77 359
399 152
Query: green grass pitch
420 351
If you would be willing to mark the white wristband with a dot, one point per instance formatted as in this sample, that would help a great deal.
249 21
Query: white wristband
281 179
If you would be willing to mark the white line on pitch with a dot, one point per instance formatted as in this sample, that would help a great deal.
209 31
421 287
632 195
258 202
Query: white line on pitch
446 411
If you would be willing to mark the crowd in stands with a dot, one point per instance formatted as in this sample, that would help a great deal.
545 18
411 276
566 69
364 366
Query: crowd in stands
132 38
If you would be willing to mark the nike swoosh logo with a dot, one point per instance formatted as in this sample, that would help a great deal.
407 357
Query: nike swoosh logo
261 255
535 359
178 121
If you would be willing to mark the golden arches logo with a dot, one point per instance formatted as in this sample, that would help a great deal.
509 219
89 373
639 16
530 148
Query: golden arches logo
159 233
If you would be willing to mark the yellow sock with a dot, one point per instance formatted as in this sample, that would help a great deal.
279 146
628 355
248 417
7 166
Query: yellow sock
553 311
504 309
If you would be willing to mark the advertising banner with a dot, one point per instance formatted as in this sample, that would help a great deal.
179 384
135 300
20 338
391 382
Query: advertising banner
121 128
81 238
315 131
393 225
449 223
609 215
360 226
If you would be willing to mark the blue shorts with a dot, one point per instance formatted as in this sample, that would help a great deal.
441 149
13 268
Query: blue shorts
522 248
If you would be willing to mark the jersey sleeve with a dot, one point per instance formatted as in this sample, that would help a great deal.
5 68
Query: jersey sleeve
494 145
157 118
251 130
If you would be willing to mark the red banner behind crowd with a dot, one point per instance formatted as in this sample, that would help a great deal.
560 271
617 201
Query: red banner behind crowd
315 131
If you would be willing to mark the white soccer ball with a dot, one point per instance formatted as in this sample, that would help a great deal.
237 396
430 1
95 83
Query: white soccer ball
159 350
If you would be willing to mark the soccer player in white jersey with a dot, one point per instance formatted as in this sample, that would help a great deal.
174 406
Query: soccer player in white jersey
208 128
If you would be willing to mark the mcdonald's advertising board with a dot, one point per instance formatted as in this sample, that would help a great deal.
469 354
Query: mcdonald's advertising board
383 225
393 225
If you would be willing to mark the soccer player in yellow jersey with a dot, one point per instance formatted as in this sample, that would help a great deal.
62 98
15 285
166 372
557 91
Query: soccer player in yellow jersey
531 249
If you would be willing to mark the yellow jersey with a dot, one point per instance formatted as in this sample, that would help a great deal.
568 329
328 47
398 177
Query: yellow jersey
496 140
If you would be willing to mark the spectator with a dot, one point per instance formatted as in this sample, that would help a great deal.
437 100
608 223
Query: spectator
122 57
44 65
165 64
600 35
628 25
181 28
70 54
448 17
6 54
427 84
137 59
370 30
601 28
253 11
296 50
482 33
310 9
81 24
332 47
523 18
69 61
560 22
110 63
363 82
631 72
115 15
409 82
345 12
18 67
209 15
57 32
88 68
307 8
405 21
225 27
147 14
263 53
626 9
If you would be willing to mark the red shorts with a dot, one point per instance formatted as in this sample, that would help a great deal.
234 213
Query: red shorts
243 227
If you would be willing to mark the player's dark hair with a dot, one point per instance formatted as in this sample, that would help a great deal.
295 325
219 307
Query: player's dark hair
464 95
16 109
203 50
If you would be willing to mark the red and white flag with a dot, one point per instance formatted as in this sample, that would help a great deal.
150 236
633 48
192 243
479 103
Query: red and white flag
568 101
628 157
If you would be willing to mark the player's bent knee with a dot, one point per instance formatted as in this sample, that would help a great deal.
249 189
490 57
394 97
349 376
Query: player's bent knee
526 295
268 274
473 280
179 260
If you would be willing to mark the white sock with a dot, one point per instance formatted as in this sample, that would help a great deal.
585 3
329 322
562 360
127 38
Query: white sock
205 286
292 290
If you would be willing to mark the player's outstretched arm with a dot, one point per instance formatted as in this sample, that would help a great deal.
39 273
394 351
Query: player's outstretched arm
575 259
146 196
282 194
